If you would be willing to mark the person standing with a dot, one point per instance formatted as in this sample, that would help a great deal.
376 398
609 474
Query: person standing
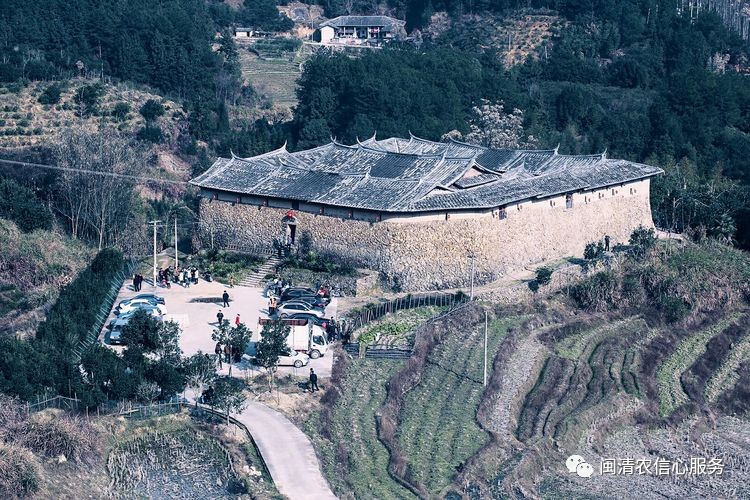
237 321
313 381
227 353
219 317
225 298
606 243
218 352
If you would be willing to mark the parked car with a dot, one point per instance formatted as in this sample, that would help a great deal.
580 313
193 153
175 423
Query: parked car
293 293
151 310
115 336
318 302
315 320
158 298
293 358
288 308
131 305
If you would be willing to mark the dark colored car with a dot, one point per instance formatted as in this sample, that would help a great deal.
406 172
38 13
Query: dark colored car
308 317
291 293
313 300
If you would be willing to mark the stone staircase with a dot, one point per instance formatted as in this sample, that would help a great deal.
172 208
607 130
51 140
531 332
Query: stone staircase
255 279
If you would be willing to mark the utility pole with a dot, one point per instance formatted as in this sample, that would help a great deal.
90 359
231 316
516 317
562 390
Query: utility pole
154 222
485 348
176 260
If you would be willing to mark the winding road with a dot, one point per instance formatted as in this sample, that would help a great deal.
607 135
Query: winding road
287 452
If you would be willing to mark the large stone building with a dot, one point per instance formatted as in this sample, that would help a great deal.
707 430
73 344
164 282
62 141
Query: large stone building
420 211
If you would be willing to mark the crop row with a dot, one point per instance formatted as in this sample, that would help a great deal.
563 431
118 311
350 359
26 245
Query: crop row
669 387
438 430
354 461
727 375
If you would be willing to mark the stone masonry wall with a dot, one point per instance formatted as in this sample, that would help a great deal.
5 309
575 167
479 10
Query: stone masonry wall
433 254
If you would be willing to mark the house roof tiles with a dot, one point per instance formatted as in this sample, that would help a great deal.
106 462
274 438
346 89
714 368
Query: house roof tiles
416 175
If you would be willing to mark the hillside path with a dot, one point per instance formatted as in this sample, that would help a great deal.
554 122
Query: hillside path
287 452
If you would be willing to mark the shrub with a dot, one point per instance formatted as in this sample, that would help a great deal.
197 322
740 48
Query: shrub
121 110
643 241
599 292
150 134
593 250
543 276
19 472
20 205
152 110
52 435
51 94
87 98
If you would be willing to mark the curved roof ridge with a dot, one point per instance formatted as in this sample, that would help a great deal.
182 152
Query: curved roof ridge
475 146
400 153
275 152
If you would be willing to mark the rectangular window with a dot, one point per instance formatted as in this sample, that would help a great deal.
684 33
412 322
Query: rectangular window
569 200
502 213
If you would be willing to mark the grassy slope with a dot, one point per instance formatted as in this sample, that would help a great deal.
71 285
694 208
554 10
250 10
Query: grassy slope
438 431
34 266
42 123
364 474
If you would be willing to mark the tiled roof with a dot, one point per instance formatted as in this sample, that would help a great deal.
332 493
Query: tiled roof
362 22
415 175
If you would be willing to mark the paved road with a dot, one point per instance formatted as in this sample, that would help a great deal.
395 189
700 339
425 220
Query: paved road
288 453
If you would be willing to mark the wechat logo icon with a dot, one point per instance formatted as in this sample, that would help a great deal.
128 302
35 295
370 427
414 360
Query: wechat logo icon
576 463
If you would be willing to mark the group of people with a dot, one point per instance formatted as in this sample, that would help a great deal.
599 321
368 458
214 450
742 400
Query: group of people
223 354
220 318
180 275
137 282
273 305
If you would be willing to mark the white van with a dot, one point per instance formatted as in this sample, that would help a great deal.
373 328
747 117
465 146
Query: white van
304 337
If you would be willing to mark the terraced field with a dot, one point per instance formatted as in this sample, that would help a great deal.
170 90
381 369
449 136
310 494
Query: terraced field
438 431
671 393
355 462
273 78
622 384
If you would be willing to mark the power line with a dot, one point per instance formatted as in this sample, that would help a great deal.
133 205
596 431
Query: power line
93 172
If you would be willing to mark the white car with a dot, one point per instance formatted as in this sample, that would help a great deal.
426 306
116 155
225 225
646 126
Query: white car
133 304
292 307
292 358
151 310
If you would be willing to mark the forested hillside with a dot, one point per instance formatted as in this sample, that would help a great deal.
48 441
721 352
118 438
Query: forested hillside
634 79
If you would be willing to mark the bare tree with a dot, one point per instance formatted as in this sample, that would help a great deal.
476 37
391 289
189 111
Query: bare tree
97 195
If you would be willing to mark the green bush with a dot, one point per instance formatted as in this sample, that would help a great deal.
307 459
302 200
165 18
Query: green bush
87 98
152 110
598 293
593 250
121 110
319 263
643 241
543 276
20 205
51 94
150 134
69 320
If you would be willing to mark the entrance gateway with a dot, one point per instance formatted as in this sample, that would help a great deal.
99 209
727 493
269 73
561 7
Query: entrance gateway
289 222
